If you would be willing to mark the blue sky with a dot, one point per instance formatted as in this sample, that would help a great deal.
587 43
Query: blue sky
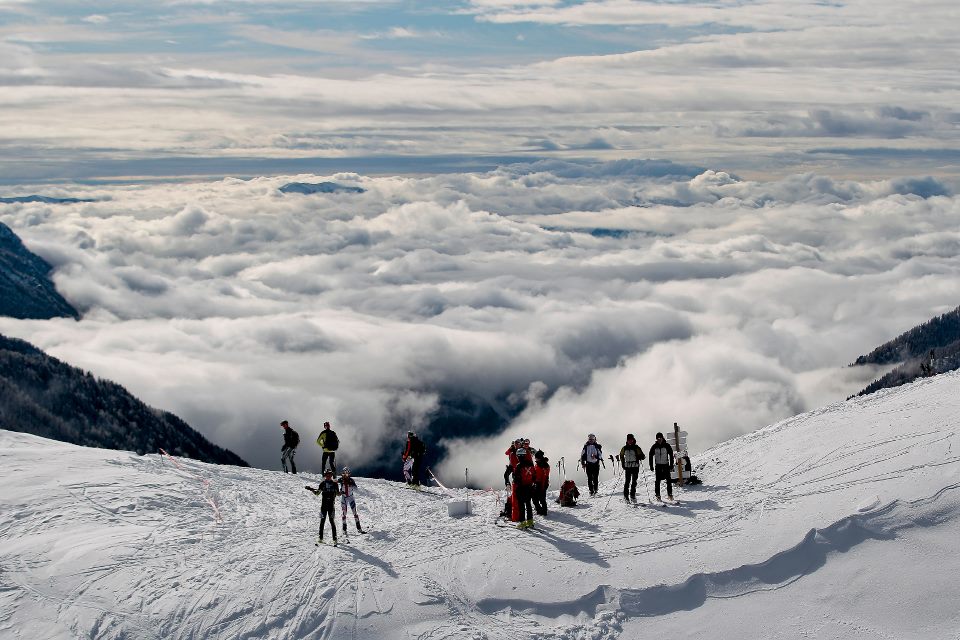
419 33
752 87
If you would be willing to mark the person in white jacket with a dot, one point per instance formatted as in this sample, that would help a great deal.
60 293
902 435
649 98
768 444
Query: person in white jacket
591 458
661 462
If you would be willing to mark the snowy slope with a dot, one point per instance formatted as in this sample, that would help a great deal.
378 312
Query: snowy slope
840 523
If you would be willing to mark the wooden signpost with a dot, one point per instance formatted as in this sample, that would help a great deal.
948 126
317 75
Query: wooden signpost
680 440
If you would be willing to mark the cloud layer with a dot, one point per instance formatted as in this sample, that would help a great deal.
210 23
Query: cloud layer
755 87
590 297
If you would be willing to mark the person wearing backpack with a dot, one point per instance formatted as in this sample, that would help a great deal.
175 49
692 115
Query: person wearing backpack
329 442
542 479
524 478
290 441
591 458
328 492
661 457
414 451
630 456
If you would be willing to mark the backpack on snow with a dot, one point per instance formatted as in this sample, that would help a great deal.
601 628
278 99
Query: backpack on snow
568 494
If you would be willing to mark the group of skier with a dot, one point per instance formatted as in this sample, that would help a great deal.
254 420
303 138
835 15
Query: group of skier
329 489
530 473
327 440
527 476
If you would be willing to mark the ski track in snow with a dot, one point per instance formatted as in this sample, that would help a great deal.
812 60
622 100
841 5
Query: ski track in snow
102 544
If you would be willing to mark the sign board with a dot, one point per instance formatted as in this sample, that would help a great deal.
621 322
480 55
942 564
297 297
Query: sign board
456 508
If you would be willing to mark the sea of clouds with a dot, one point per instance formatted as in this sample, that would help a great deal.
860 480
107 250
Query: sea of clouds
578 297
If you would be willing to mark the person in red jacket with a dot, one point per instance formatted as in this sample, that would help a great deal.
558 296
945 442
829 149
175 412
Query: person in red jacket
414 450
524 479
542 479
511 453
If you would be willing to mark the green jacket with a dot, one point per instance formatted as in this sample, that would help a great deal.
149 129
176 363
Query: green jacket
328 440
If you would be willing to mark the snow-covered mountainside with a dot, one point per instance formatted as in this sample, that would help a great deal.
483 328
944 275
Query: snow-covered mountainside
840 523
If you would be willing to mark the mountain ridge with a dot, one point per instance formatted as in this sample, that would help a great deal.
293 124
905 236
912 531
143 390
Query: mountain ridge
927 349
26 291
41 395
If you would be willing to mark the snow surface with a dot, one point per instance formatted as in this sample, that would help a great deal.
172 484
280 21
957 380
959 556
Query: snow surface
840 523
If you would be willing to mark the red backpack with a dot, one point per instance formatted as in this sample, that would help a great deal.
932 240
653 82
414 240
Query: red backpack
528 475
568 494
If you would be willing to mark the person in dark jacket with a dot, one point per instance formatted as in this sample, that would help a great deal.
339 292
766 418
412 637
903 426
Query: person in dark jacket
328 492
524 479
591 458
542 479
414 451
329 442
661 463
511 454
631 456
290 441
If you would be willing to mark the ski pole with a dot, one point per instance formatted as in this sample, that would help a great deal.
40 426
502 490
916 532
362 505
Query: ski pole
645 485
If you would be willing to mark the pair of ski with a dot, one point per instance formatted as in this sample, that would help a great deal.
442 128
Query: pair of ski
335 543
505 524
321 541
657 502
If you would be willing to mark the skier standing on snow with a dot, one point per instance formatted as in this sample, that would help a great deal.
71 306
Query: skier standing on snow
524 478
525 442
511 453
542 479
661 457
414 451
591 458
290 441
630 456
347 489
329 442
511 509
328 492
